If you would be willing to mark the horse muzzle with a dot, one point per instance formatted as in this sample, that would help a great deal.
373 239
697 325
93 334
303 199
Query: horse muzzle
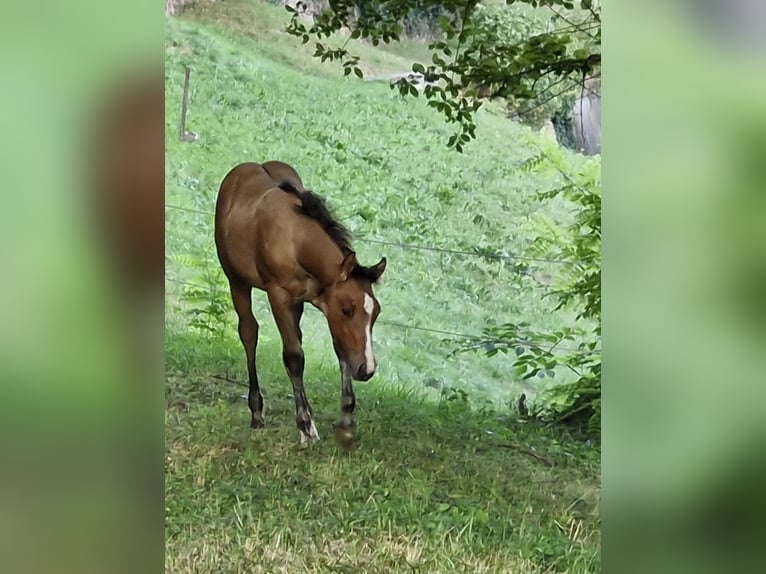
363 373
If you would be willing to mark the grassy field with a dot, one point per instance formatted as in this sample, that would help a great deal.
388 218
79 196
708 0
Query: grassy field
445 478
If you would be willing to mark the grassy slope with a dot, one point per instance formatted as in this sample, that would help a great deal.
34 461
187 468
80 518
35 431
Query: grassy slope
428 488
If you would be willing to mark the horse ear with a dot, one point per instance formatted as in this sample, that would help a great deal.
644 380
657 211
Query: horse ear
347 266
378 269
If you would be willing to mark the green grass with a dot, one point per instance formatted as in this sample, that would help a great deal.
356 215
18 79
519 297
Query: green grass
432 487
235 19
428 489
383 165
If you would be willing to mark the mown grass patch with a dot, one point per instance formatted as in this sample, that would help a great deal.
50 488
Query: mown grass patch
433 486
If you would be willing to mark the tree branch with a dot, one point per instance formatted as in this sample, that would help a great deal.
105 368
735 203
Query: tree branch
575 25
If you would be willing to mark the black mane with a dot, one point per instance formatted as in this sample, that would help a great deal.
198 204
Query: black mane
315 207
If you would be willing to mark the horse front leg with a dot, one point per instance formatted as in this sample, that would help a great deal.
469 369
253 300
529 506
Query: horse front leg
288 315
345 428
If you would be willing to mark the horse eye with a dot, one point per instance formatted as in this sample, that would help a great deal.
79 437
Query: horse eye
347 312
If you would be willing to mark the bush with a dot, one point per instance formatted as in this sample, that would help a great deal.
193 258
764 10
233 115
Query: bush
576 403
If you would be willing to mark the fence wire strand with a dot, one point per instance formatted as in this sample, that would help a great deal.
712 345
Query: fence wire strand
397 324
363 239
520 342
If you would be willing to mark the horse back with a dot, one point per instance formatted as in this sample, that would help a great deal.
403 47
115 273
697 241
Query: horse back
241 190
251 205
248 181
283 175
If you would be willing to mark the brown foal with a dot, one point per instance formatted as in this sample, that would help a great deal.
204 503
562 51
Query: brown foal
274 235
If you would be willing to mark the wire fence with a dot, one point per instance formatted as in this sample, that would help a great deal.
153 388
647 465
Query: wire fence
362 239
398 324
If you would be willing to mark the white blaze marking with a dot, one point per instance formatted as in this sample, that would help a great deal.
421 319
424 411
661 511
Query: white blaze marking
369 305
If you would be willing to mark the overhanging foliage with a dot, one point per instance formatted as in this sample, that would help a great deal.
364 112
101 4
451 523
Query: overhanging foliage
480 51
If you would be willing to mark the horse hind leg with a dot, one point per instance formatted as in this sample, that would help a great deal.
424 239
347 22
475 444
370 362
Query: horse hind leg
248 334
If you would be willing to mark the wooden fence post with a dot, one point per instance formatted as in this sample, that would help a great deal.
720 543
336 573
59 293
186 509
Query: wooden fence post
185 135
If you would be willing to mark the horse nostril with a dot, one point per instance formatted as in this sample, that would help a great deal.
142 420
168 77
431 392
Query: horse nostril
363 374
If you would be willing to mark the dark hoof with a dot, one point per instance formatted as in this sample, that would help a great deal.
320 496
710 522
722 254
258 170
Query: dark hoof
346 437
256 423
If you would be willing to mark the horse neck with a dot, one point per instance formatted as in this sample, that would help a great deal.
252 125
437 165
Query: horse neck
320 256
